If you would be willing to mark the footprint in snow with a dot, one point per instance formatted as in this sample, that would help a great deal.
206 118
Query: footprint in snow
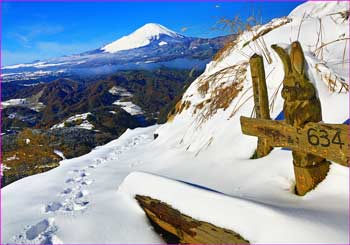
66 191
77 180
86 182
42 232
84 174
69 180
98 161
75 205
81 194
73 180
74 171
53 207
80 205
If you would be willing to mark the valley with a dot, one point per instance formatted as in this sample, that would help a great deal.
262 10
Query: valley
75 116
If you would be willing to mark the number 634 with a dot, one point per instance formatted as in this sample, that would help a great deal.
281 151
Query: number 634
321 137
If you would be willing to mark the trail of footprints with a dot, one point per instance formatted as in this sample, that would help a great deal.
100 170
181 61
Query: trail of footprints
127 146
75 199
75 194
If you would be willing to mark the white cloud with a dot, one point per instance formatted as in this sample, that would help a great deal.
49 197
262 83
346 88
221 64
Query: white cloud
10 57
44 50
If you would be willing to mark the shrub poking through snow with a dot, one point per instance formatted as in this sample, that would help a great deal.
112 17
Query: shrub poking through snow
225 84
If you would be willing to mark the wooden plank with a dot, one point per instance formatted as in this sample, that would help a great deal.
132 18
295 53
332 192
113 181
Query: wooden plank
261 100
330 141
187 229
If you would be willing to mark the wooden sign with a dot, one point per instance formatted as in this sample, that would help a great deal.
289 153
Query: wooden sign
330 141
311 142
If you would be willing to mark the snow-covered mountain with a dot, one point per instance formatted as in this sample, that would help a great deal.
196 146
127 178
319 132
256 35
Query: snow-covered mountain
90 199
142 37
149 47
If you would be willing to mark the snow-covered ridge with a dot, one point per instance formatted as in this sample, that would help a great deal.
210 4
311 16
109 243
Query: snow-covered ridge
319 10
124 101
78 121
129 107
26 102
120 91
141 37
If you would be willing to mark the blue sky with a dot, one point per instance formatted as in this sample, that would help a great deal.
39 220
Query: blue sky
38 30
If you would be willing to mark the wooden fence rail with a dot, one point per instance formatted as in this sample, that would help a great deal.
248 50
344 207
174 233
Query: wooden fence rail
185 228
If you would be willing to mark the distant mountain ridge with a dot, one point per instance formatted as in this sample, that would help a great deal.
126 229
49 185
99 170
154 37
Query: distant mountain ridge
149 47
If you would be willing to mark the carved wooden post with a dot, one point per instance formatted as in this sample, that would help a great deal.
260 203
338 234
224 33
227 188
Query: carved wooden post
301 106
261 100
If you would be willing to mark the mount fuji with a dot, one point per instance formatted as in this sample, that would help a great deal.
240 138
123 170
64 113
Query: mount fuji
149 47
144 36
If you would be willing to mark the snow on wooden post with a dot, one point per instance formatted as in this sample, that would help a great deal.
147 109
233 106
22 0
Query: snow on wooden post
186 229
261 100
312 142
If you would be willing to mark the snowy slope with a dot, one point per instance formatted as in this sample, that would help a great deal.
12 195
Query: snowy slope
81 205
141 37
90 199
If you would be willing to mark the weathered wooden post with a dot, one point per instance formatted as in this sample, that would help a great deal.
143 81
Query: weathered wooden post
261 100
301 106
186 229
312 142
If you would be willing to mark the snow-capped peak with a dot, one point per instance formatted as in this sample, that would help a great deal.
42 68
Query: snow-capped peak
139 38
